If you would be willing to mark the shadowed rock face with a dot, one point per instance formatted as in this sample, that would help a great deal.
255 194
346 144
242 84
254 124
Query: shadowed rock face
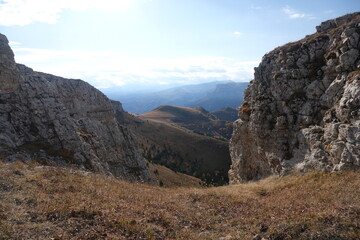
302 110
9 76
62 121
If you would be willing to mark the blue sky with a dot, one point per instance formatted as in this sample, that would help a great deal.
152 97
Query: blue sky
157 42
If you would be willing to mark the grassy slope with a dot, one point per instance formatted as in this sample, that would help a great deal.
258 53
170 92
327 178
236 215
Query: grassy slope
174 113
191 119
163 176
181 149
228 114
44 203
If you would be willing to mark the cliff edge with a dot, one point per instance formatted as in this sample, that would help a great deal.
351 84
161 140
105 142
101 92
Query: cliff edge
62 121
302 110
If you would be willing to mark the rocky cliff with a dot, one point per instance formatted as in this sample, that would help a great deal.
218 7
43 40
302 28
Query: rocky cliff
62 121
302 110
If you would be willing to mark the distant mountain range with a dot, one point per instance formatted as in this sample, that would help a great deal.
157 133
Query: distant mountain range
224 95
212 96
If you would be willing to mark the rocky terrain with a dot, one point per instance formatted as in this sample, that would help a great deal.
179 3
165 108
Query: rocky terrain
61 121
302 110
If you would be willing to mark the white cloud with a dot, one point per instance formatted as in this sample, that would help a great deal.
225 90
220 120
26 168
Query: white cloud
292 13
13 43
107 69
238 33
25 12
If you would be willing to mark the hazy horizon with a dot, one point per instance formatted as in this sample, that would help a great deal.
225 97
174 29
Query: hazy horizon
148 43
136 89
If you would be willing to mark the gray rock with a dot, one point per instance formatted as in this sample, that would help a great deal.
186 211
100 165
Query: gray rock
333 23
302 110
9 78
62 121
117 106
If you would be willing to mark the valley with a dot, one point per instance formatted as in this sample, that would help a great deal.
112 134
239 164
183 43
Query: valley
179 148
188 162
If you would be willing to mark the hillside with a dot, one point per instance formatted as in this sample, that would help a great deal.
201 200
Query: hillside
165 177
227 114
58 203
194 119
212 96
180 149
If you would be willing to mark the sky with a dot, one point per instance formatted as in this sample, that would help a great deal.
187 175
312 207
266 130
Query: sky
120 43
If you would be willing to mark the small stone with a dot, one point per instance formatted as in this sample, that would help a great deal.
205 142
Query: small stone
227 237
257 237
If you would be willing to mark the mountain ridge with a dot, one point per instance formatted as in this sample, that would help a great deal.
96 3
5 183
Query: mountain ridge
206 95
197 120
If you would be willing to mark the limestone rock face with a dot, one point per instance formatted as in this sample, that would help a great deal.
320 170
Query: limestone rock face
302 110
62 121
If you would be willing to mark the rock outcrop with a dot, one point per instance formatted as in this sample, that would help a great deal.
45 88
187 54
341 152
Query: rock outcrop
302 110
62 121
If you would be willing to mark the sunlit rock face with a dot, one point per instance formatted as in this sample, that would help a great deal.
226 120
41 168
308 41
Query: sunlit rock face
302 110
55 120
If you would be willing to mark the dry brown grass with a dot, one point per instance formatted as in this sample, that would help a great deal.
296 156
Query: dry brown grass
52 203
165 177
